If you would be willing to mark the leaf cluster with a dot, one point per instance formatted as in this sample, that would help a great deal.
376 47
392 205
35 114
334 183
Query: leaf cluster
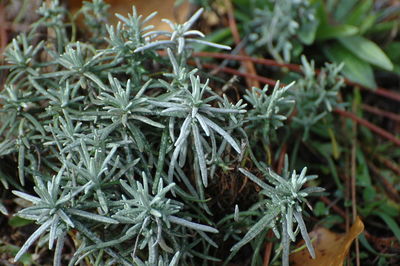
120 159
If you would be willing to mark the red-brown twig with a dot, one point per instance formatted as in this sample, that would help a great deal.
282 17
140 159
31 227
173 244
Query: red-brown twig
4 25
380 131
389 164
268 248
334 207
353 182
377 111
269 244
390 190
369 125
261 61
379 91
238 73
248 65
268 62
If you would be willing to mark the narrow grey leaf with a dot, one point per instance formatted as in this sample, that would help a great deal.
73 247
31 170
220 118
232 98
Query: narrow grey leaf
196 226
285 244
203 124
200 154
26 196
65 218
184 131
289 221
93 216
183 153
152 45
304 233
175 260
161 159
256 229
147 121
173 162
256 180
223 133
188 24
53 228
171 128
236 214
194 32
32 239
21 161
102 200
216 45
58 251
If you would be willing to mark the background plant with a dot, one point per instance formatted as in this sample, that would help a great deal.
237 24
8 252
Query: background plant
123 147
344 31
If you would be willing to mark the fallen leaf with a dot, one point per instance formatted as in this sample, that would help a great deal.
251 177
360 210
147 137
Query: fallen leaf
330 248
165 9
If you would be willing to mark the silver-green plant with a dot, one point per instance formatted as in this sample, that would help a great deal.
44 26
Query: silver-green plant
282 207
95 17
55 212
22 59
191 105
153 218
52 14
122 108
278 22
93 130
180 36
268 111
124 155
129 34
316 94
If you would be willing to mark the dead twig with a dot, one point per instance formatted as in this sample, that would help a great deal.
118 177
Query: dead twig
334 207
390 190
249 66
353 181
380 131
377 111
268 62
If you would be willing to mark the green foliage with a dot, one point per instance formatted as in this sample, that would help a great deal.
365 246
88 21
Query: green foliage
179 37
124 145
268 111
284 207
79 132
316 94
283 29
273 25
95 17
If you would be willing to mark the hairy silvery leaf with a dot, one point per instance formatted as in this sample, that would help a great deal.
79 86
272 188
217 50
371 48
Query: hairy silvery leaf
193 104
276 25
285 200
179 37
268 111
316 94
51 210
153 214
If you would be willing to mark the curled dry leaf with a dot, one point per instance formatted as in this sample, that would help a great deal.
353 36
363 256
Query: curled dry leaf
330 248
144 7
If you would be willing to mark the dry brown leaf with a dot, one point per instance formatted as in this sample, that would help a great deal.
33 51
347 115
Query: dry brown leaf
165 9
330 248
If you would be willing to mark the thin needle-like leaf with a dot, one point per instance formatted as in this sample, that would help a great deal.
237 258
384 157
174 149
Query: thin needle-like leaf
32 239
256 229
200 154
